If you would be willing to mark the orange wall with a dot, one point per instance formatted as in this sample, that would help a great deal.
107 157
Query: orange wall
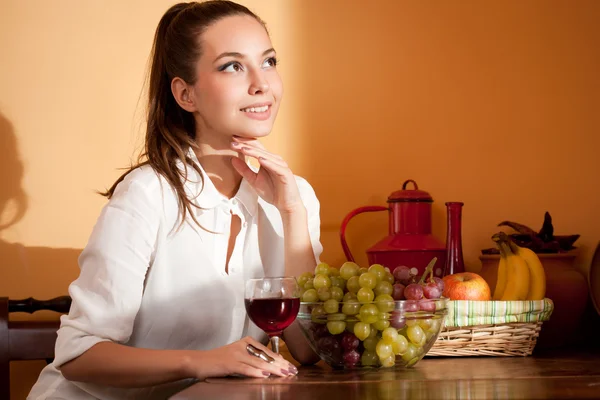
490 103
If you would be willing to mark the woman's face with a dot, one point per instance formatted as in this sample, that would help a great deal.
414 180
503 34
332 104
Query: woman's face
238 88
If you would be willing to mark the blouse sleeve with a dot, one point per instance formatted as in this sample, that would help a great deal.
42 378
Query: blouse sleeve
108 292
313 208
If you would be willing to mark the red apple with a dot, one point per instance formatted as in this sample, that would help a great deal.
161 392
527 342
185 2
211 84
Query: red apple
466 286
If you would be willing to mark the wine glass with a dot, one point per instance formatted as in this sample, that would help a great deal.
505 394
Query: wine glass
272 304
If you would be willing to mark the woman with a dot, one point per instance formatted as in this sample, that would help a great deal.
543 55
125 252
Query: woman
159 300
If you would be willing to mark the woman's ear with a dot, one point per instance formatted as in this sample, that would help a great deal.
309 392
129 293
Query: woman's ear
183 94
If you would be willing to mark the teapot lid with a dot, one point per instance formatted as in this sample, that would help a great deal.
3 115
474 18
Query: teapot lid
415 194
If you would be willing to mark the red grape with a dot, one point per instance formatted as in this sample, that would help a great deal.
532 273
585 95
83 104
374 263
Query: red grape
432 290
411 306
351 358
401 273
427 305
414 291
397 321
349 341
440 283
398 291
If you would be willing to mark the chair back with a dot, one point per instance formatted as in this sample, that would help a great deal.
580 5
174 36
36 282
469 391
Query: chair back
27 340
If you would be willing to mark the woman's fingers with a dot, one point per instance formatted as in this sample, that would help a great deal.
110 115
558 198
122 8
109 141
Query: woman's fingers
280 366
282 172
257 153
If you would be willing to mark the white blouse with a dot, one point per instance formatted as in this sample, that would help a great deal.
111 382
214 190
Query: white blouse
145 284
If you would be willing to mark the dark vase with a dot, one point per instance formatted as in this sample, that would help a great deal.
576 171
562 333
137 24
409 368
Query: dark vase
454 254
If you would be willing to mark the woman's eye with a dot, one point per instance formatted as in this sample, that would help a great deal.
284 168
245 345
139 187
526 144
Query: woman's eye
270 62
231 67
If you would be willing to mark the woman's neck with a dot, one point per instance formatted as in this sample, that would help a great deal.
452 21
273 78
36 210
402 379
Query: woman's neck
214 154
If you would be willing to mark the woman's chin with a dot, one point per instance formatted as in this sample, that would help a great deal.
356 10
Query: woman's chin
252 134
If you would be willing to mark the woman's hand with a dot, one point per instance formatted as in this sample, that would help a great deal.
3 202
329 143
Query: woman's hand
274 181
235 359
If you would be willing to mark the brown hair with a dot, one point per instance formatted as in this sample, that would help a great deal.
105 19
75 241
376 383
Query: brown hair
170 130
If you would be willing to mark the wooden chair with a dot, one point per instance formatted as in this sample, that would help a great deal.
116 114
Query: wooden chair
27 340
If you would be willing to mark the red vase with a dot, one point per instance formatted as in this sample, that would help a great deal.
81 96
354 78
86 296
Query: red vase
454 254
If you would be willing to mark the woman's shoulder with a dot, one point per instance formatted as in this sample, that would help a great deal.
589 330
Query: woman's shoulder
143 180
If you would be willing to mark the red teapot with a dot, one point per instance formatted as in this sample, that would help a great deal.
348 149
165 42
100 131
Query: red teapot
409 241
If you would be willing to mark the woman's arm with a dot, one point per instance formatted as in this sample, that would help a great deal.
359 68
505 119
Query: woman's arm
299 258
112 364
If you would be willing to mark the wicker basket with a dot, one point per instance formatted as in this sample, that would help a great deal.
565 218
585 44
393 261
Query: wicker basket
516 339
460 337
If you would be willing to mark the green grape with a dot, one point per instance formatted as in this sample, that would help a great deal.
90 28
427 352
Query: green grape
324 294
322 268
336 327
362 270
412 322
352 284
428 336
333 271
301 292
368 313
365 295
321 281
383 287
331 306
367 280
348 270
384 302
400 345
351 307
435 325
374 334
381 324
383 350
389 362
389 277
349 296
416 335
310 296
378 270
410 353
318 313
426 324
370 343
389 335
336 317
362 330
304 277
337 281
337 293
309 285
350 326
369 359
412 362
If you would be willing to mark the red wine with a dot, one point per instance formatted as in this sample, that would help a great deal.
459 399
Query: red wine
273 315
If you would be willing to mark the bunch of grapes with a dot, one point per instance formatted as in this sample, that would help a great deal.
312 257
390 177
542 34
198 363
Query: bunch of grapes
356 321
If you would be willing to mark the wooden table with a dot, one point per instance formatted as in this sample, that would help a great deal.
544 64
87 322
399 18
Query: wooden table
556 375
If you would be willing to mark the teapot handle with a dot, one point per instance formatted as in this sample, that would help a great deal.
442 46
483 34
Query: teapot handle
347 219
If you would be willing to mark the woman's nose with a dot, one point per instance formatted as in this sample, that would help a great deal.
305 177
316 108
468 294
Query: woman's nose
259 84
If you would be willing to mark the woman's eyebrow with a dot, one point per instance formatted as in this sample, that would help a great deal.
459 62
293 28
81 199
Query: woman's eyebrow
240 55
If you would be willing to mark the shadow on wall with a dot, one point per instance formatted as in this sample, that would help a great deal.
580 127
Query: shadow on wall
39 272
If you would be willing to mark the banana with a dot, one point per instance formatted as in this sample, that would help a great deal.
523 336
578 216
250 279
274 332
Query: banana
517 285
537 288
501 281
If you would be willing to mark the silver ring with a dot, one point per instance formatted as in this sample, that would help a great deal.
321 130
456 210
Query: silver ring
259 353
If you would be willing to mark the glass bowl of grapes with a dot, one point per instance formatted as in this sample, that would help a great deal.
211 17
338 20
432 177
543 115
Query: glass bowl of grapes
357 317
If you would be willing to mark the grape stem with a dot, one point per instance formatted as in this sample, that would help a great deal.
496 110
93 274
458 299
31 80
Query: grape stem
429 269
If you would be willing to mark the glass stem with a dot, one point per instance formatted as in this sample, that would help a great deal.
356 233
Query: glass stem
275 344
